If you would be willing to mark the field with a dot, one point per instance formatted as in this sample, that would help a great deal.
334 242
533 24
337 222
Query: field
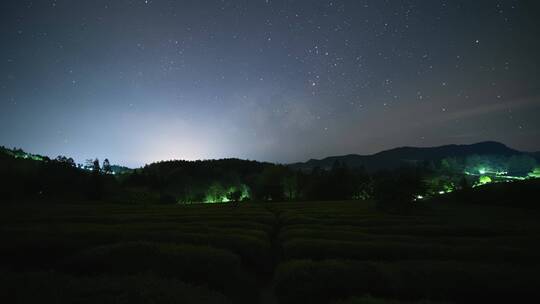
318 252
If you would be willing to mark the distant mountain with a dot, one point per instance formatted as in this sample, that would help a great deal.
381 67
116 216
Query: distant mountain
398 157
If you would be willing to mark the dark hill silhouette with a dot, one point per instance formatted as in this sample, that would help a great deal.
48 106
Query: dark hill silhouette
517 194
403 156
31 176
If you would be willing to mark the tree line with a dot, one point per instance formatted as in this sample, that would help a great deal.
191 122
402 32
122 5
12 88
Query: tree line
234 180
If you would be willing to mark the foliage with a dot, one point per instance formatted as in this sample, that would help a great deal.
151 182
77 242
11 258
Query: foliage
535 173
372 300
448 252
396 191
107 166
205 245
226 180
319 282
218 180
484 180
186 262
53 287
26 178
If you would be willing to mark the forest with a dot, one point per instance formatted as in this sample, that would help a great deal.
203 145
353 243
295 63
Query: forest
233 180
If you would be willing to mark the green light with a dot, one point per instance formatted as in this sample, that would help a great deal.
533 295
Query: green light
482 171
535 173
217 194
484 180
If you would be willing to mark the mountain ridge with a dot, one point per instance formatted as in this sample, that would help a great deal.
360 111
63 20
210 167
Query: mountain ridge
386 159
401 156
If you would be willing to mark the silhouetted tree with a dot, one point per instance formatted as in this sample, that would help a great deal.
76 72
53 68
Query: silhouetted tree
396 191
290 186
464 184
166 198
95 166
65 161
88 164
215 193
234 196
96 181
464 191
521 165
107 166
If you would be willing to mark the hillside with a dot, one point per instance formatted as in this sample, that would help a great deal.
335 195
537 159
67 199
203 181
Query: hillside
516 194
398 157
450 167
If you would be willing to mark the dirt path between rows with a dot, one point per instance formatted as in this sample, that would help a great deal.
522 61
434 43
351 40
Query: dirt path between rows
266 293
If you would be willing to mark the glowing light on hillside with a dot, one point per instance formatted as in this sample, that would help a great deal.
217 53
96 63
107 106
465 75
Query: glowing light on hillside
217 194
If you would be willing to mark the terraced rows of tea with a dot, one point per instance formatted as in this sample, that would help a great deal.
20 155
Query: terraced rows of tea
331 252
347 251
193 254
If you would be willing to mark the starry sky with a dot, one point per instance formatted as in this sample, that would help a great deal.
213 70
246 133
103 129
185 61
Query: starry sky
276 80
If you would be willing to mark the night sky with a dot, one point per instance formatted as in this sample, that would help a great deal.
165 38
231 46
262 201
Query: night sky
274 80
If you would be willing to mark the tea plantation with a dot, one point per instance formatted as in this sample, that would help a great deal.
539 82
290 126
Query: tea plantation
317 252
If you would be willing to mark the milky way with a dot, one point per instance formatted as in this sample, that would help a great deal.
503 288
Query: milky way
281 81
